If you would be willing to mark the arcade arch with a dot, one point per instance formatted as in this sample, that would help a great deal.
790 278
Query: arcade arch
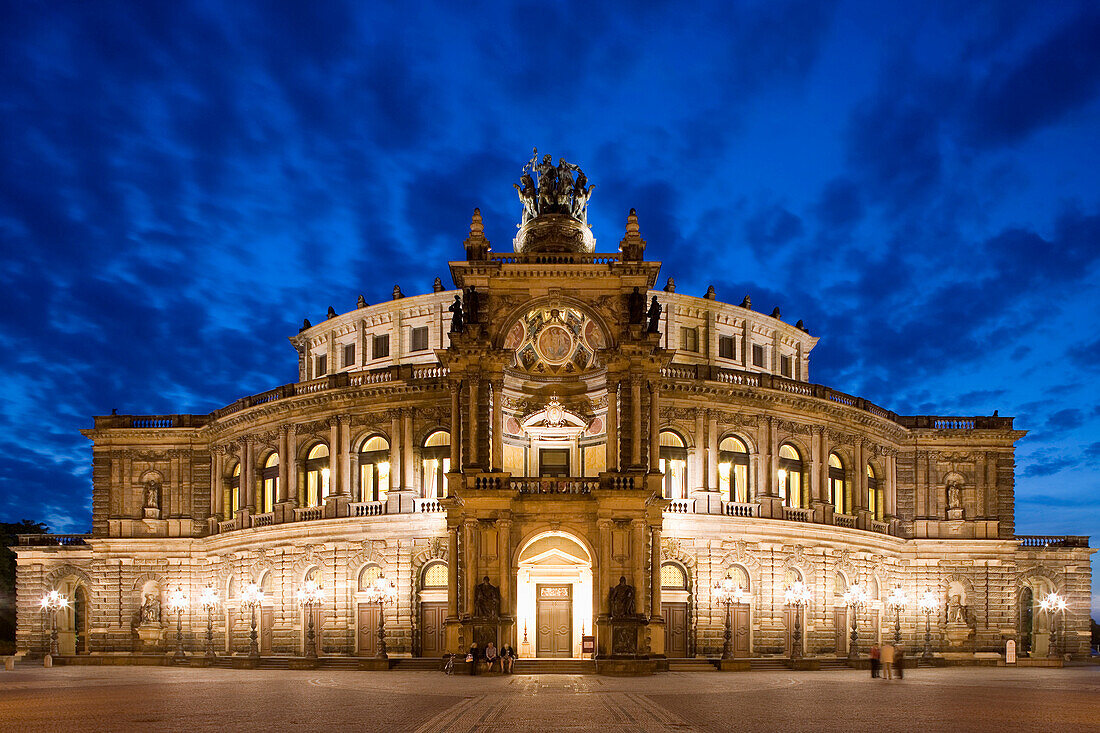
553 595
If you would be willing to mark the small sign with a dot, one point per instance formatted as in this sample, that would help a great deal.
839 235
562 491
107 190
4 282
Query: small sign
553 591
1010 652
588 645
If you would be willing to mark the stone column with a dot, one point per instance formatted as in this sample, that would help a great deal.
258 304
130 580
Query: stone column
456 426
396 474
891 488
496 462
334 446
654 425
603 587
612 423
655 572
294 470
452 571
471 421
407 470
635 421
469 536
504 551
699 465
245 485
217 482
285 462
637 564
344 425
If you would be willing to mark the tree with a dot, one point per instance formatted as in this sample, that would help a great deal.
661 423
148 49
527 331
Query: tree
8 538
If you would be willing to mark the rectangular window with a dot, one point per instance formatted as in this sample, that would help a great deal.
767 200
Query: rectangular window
785 365
418 340
381 346
349 355
322 365
758 356
725 347
689 339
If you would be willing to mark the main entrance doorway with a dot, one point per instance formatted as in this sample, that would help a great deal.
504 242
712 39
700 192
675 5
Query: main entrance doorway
554 596
554 610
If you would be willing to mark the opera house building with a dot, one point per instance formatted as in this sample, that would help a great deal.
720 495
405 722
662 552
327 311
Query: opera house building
561 455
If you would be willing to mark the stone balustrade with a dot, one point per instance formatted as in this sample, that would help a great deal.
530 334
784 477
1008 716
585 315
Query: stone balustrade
794 514
52 540
845 520
680 506
366 509
263 520
428 506
740 509
1030 540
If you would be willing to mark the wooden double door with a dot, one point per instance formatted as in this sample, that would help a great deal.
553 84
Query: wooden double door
433 615
367 630
554 621
676 629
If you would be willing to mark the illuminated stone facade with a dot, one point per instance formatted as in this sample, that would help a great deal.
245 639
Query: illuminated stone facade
569 438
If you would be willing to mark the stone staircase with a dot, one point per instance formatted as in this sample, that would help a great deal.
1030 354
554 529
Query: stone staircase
418 664
691 665
767 665
833 663
554 666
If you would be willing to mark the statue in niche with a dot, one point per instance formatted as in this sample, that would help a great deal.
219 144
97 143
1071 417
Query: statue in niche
635 307
471 305
152 494
486 599
456 315
654 315
621 599
954 493
150 610
956 611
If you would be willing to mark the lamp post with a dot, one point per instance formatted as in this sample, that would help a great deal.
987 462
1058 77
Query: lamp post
728 592
855 598
897 601
51 603
177 602
928 605
1053 604
309 595
208 601
382 591
252 596
797 595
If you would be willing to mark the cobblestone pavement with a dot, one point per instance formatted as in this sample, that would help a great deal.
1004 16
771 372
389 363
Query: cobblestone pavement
167 699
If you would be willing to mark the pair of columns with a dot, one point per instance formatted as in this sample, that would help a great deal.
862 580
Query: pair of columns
616 403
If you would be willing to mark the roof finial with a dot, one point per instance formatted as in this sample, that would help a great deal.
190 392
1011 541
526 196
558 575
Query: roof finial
632 246
477 246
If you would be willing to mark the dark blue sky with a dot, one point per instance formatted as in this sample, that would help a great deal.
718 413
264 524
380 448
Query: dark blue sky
181 183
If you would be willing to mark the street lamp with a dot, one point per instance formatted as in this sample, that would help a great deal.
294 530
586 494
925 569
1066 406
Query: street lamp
728 592
309 595
252 596
382 591
855 598
897 601
797 595
51 603
928 604
208 601
1053 604
177 602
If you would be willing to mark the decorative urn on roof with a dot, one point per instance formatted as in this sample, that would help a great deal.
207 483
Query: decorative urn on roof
555 207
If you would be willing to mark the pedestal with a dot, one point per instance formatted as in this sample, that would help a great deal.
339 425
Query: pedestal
151 638
625 654
957 634
150 512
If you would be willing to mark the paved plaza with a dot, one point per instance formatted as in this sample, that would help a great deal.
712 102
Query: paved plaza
184 699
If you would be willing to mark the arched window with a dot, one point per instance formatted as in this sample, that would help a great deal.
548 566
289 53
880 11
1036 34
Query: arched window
80 619
434 576
270 476
733 470
740 576
837 489
233 488
873 588
374 469
317 470
673 577
673 464
266 583
367 575
435 463
874 494
840 585
1027 620
790 477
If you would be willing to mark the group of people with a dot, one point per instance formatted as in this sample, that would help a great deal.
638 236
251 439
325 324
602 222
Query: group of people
501 660
887 660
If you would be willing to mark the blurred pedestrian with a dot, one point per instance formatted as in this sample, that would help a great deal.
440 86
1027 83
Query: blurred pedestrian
874 660
899 661
887 656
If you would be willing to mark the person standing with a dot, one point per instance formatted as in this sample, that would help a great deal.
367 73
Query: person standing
887 656
874 660
899 661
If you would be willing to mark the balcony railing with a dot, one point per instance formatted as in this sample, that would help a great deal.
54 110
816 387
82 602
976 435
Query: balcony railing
52 540
844 520
739 509
680 506
553 258
263 520
367 508
428 506
794 514
1035 540
552 485
309 513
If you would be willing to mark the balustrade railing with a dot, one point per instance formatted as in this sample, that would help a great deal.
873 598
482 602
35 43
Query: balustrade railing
680 506
309 513
880 527
1035 540
366 508
794 514
740 509
554 485
52 540
263 520
553 258
227 525
428 506
844 520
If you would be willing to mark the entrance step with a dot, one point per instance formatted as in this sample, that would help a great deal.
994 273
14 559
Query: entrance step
555 666
691 665
417 664
765 665
834 664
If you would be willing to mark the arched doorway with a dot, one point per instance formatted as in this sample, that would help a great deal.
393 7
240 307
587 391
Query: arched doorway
433 609
1032 624
72 622
675 609
554 596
